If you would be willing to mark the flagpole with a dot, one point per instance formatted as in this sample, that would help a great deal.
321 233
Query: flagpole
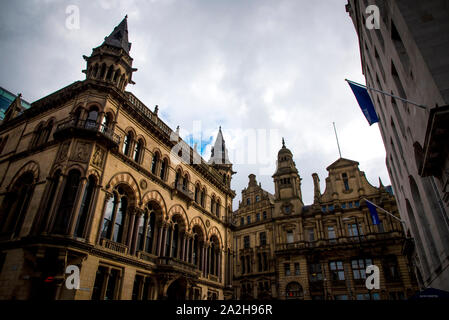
338 144
388 94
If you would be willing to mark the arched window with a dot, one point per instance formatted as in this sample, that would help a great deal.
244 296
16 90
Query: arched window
212 204
163 172
92 116
294 291
203 197
138 150
149 239
197 193
15 205
177 177
45 135
117 235
54 185
67 202
115 215
38 133
127 143
117 75
185 183
217 211
106 123
109 74
154 162
102 71
86 202
95 71
174 244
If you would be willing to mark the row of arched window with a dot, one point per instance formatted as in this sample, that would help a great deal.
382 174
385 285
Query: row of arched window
60 213
108 73
147 232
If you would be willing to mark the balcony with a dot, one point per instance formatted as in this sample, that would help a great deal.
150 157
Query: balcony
325 243
174 264
71 127
114 246
147 256
183 191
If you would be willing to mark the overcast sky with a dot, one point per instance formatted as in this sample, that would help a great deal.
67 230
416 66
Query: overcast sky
275 68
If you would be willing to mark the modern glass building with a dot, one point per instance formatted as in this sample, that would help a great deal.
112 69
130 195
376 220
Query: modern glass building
6 98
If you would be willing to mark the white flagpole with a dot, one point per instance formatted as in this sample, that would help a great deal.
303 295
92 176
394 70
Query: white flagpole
388 94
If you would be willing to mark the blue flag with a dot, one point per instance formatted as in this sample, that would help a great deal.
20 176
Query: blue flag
373 212
365 103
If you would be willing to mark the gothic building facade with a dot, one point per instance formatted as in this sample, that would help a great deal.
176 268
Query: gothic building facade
90 177
287 250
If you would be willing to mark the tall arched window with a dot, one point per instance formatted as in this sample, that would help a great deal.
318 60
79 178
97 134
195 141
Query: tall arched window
109 74
67 202
127 143
294 291
185 183
95 71
46 133
115 215
197 193
92 116
138 150
149 239
164 165
54 185
174 245
117 235
86 202
38 135
154 162
15 205
106 123
177 177
217 211
102 71
116 76
203 197
212 204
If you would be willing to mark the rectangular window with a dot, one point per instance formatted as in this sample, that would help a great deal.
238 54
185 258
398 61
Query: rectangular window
341 297
265 215
297 269
359 268
337 270
290 236
380 227
246 242
331 234
353 231
343 205
258 217
242 221
311 235
315 271
263 238
287 269
248 219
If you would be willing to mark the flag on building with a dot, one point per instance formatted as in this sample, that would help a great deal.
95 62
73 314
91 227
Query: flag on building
365 103
373 212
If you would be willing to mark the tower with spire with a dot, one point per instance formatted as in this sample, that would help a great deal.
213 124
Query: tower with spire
110 63
287 184
219 159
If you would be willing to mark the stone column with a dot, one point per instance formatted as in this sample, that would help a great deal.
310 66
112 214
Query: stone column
183 246
130 227
139 214
170 242
188 248
159 240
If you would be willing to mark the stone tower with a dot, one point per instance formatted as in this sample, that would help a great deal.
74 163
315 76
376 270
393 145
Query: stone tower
111 63
287 184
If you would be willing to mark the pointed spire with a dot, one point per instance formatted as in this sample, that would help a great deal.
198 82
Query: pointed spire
14 108
381 185
119 37
283 143
219 153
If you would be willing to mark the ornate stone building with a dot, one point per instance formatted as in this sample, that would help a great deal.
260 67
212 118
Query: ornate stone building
90 177
287 250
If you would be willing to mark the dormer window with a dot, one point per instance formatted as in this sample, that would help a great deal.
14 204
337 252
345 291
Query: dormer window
248 201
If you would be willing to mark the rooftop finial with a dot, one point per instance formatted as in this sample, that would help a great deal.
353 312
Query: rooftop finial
126 17
283 143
